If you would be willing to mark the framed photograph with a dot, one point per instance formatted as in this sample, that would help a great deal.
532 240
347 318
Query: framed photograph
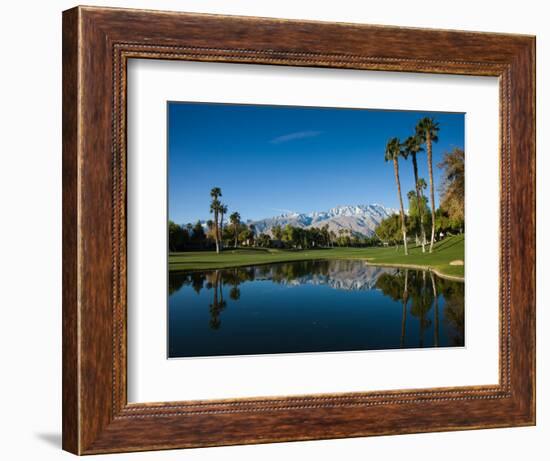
284 230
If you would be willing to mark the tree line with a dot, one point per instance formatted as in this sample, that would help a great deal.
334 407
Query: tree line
313 237
423 214
218 234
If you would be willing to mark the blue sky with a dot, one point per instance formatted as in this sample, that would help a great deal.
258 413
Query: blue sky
273 159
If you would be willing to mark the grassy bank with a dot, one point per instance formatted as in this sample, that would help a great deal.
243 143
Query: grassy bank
450 249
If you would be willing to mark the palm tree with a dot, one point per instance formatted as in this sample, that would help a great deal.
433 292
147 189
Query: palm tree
223 211
393 152
235 220
215 205
427 129
277 232
413 146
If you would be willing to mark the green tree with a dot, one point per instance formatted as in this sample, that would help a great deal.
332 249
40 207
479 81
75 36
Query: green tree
326 235
252 229
418 214
452 187
290 236
198 237
389 229
427 130
332 237
263 240
277 232
393 152
235 220
413 146
245 236
177 237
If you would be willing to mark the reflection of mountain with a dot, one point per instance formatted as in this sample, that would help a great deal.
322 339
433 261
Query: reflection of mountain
345 276
337 274
434 305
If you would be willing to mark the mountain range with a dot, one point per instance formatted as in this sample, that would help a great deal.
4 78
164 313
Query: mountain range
360 219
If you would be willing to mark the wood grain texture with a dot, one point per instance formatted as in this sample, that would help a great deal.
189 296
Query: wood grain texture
70 384
97 43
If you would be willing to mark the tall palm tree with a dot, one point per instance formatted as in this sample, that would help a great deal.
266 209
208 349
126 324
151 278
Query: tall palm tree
393 152
235 220
215 205
427 130
223 211
215 209
413 146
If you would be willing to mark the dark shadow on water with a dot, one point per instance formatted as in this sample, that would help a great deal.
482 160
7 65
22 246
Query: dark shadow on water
51 438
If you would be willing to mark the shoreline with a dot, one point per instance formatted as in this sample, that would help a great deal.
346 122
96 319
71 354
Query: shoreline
368 261
440 274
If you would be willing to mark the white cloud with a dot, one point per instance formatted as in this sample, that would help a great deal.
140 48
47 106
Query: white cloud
293 136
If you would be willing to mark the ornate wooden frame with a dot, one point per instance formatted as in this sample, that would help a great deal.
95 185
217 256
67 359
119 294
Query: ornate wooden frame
97 43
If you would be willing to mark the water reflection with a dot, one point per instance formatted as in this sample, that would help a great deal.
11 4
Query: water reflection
312 306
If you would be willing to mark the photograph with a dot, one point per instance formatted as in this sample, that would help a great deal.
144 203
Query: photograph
313 229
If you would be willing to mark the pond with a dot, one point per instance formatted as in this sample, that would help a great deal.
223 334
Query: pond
311 306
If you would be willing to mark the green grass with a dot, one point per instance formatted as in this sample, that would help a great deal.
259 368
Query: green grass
447 250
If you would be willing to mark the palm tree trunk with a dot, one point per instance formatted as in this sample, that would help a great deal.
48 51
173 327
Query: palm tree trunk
432 194
419 203
236 242
216 232
403 228
221 230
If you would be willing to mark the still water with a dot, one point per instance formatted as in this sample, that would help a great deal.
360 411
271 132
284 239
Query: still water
311 306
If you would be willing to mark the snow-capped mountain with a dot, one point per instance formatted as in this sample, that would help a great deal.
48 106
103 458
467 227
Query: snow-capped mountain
361 219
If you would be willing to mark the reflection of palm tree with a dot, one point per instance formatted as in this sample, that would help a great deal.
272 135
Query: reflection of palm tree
397 288
405 301
218 304
235 293
421 305
453 313
436 313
